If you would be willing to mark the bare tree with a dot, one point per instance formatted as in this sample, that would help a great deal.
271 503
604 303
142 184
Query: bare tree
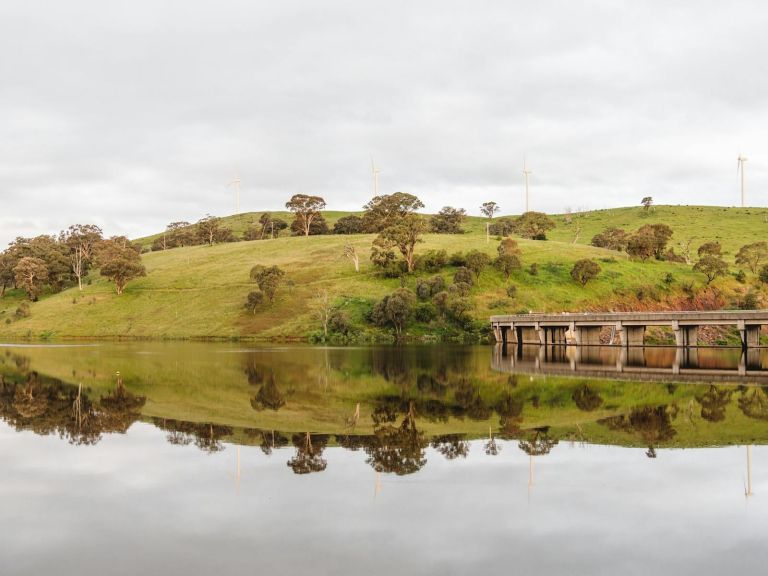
351 252
685 249
322 309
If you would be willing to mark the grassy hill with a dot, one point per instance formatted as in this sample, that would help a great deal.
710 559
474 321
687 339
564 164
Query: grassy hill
199 291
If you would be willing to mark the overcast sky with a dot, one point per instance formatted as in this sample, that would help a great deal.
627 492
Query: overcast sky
134 114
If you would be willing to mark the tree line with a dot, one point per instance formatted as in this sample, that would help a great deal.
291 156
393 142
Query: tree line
54 263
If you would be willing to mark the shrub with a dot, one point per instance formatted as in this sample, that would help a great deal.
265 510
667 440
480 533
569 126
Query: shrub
533 270
496 304
509 246
431 261
750 301
585 270
477 261
533 225
457 259
611 238
669 279
348 225
463 275
461 288
512 291
501 227
22 311
254 300
436 284
425 312
763 274
339 323
507 263
741 277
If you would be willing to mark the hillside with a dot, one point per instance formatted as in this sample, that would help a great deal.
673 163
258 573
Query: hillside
200 291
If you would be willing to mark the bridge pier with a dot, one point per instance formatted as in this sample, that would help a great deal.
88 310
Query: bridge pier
633 335
750 335
588 335
686 335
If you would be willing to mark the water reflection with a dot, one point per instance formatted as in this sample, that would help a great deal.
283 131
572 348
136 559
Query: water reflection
637 363
392 404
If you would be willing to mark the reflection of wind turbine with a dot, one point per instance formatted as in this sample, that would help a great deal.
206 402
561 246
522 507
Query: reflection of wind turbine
526 173
740 170
377 485
236 476
236 184
531 473
375 171
748 487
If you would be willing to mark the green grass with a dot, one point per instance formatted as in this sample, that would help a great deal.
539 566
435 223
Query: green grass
199 291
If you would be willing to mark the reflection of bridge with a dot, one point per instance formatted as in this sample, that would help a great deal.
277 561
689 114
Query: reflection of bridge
634 363
626 328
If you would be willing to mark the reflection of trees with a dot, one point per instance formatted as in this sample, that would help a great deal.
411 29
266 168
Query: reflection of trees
270 440
469 401
48 406
309 453
399 449
652 423
713 403
754 403
586 399
451 446
205 435
510 412
539 443
268 396
491 447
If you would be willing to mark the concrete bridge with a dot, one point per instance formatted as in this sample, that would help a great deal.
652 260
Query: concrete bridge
626 328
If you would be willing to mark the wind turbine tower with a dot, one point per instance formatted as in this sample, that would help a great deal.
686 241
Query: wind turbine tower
375 171
740 170
236 184
526 173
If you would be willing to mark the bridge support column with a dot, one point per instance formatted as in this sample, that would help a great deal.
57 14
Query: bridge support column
750 335
686 335
588 335
633 335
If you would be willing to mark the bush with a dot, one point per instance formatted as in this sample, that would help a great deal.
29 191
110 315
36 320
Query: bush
425 312
585 270
22 311
436 284
501 227
431 261
750 301
507 263
463 275
669 279
496 304
339 323
764 274
477 261
457 259
534 269
461 288
741 277
348 225
458 310
254 300
512 291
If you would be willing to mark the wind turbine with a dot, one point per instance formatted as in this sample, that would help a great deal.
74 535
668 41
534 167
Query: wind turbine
235 182
375 171
526 173
740 170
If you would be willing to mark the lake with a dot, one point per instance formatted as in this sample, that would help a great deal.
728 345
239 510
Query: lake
208 458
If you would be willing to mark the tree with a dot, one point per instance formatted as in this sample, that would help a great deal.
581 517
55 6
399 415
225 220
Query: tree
395 310
585 270
509 246
448 221
309 456
268 279
710 249
180 234
387 210
502 227
751 255
647 203
611 238
30 274
477 261
322 309
348 225
7 263
404 236
586 399
711 267
268 396
640 246
305 209
533 225
463 274
207 228
119 262
489 209
660 234
318 226
81 240
350 252
507 263
254 300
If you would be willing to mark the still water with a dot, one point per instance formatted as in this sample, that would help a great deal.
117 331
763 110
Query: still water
214 458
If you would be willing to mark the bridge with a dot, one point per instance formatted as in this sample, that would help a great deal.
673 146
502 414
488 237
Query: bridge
623 328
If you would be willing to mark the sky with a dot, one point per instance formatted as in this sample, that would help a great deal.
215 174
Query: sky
133 114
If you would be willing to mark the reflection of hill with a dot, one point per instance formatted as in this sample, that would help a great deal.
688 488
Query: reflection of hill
202 396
